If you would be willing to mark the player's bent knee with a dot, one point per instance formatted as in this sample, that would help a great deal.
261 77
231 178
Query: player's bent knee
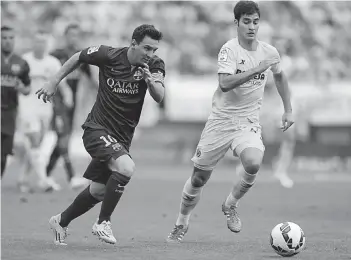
35 139
123 165
251 160
200 177
21 145
252 167
97 190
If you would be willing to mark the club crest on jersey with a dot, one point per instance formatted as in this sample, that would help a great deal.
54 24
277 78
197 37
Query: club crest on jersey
15 68
93 49
223 54
116 147
138 75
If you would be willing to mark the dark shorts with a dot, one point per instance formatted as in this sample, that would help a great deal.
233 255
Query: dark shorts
63 117
102 146
97 171
61 122
6 144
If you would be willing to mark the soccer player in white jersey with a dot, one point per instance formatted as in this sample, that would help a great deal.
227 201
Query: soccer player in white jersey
243 65
35 116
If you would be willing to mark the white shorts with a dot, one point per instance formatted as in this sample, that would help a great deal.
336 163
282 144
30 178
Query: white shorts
221 134
34 115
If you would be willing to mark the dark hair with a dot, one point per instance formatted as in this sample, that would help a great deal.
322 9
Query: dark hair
6 28
70 27
146 30
246 7
42 31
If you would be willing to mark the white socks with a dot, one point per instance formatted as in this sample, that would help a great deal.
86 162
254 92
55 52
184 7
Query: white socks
183 219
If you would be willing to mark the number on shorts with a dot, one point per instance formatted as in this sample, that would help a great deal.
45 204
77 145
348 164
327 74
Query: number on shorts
110 140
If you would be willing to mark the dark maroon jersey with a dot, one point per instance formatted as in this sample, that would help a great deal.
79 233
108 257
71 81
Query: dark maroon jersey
13 69
121 92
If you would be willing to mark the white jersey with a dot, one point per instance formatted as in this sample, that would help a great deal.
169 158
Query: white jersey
33 112
40 72
245 100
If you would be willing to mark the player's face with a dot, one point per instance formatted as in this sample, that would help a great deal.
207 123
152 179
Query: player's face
7 41
40 44
248 26
145 50
72 38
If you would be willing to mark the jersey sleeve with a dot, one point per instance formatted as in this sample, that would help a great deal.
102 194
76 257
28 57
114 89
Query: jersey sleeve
24 76
86 69
277 67
96 55
158 71
226 61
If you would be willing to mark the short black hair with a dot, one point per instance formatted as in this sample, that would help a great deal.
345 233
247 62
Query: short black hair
42 31
70 27
146 30
6 28
246 7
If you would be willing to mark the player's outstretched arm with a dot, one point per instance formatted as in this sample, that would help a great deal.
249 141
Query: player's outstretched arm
69 66
228 82
282 86
49 90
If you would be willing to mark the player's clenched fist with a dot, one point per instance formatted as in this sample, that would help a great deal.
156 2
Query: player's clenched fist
265 64
47 92
146 72
287 121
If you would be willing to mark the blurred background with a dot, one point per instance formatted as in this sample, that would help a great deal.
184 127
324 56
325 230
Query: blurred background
313 39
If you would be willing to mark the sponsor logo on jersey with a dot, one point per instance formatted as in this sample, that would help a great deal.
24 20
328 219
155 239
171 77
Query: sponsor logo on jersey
260 76
123 87
257 80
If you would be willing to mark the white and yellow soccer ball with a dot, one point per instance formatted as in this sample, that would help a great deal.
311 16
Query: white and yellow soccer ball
287 239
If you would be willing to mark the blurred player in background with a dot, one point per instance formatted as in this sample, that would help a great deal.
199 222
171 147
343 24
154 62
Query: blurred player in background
35 116
243 65
283 160
14 79
64 115
125 76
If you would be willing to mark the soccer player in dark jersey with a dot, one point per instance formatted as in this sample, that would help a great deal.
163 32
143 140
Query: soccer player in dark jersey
63 114
124 77
14 79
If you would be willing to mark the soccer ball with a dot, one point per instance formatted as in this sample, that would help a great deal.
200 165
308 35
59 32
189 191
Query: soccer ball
287 239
